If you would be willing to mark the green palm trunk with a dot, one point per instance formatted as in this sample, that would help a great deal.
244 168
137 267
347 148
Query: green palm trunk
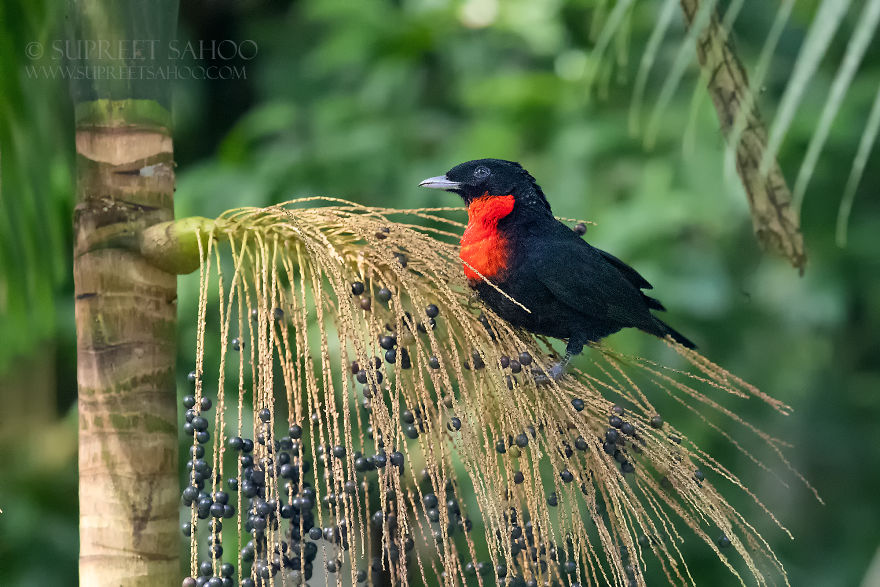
125 312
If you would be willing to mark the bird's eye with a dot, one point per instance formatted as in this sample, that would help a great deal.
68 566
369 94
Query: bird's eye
481 172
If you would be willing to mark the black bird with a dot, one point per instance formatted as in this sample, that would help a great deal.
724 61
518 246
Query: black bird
514 244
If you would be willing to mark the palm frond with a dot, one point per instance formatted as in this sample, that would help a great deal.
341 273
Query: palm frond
866 143
858 44
414 417
735 90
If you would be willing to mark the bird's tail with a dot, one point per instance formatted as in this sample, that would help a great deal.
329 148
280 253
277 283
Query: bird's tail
663 329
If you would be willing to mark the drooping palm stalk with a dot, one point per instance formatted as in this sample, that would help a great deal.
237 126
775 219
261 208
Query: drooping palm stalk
392 412
125 306
737 89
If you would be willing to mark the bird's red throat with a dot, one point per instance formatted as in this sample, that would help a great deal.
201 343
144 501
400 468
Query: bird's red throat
484 250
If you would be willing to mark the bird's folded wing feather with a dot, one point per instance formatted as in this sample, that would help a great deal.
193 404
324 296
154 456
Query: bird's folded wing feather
631 274
591 282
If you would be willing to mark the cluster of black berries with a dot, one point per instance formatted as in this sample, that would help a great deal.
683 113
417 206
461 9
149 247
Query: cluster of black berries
194 422
413 423
619 433
516 364
207 578
215 506
384 522
262 513
524 547
370 375
520 441
433 505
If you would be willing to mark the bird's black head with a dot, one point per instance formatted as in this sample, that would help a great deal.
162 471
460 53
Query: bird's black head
490 177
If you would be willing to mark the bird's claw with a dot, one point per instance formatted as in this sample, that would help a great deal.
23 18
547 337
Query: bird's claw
555 373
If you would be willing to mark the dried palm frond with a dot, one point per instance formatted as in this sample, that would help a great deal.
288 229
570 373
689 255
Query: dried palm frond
395 414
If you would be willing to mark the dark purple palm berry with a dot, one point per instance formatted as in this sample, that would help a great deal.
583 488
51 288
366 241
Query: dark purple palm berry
190 493
525 358
189 401
357 288
656 421
580 229
384 294
432 311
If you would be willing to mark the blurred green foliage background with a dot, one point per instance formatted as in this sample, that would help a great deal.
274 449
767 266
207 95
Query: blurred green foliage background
362 100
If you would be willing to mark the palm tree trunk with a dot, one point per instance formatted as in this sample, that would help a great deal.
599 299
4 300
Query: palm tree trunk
125 313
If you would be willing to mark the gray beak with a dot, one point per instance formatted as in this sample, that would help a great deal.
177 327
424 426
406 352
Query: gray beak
439 183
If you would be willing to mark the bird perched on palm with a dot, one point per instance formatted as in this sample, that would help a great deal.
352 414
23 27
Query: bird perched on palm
537 273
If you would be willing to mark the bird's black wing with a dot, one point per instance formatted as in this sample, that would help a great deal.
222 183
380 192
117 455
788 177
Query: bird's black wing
631 274
590 281
634 277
